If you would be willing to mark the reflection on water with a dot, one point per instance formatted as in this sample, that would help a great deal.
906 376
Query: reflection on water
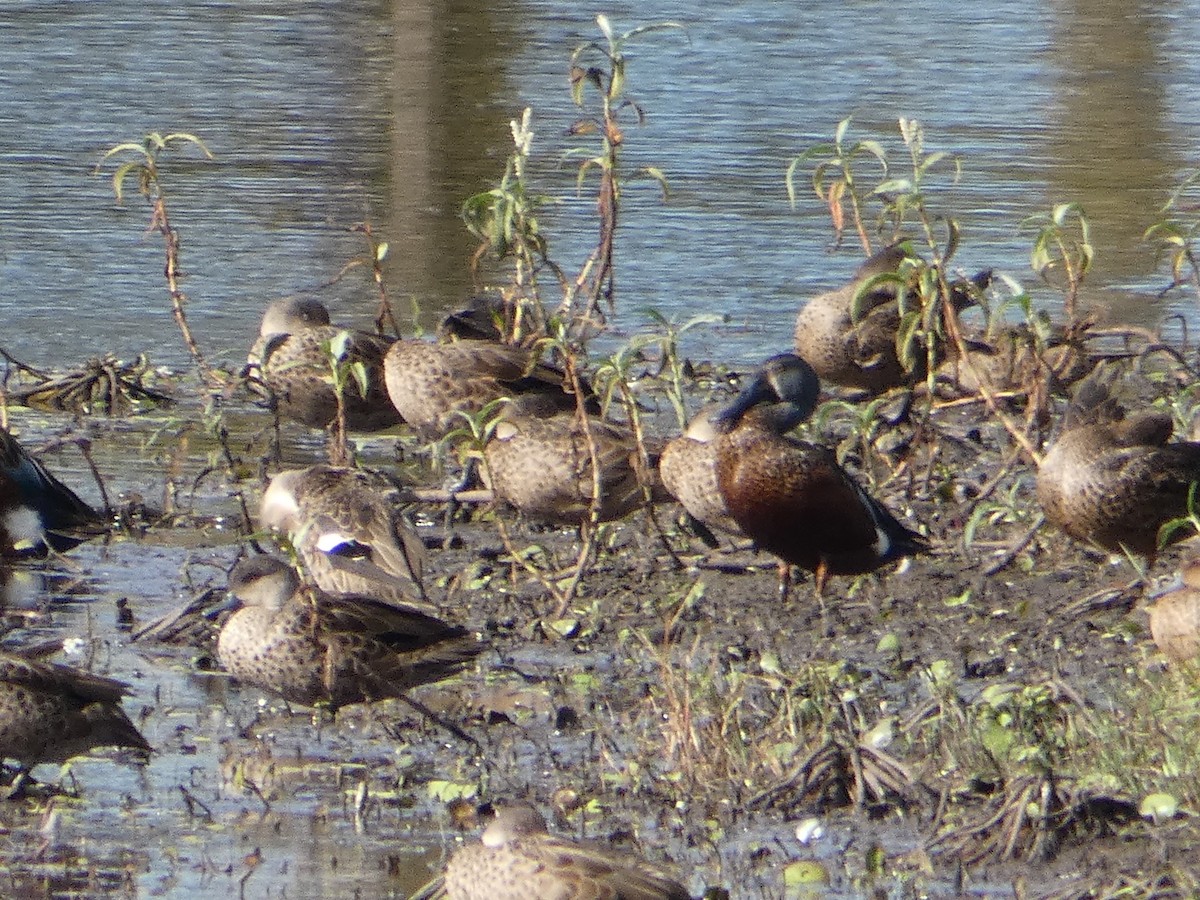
1112 140
322 116
188 823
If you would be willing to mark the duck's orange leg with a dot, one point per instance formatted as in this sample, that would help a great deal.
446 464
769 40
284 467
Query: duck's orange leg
785 581
820 576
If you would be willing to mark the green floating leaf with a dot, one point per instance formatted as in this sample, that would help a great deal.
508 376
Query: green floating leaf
959 600
445 791
941 672
1158 808
769 663
564 628
805 872
875 861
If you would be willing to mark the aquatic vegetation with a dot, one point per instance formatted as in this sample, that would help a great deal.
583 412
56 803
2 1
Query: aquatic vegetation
1062 244
144 166
1174 234
505 217
834 179
107 385
976 707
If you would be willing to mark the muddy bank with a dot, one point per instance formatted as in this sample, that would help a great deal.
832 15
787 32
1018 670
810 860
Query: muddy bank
676 707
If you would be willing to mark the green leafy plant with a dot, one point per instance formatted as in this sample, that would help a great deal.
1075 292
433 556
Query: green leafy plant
145 167
1025 726
1062 247
505 221
602 66
928 303
1174 235
345 373
1191 520
834 179
672 364
1008 506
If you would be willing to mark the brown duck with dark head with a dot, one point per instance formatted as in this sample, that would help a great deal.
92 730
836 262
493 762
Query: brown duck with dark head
791 496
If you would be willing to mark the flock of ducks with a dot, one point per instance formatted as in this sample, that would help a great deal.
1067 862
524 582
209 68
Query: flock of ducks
357 624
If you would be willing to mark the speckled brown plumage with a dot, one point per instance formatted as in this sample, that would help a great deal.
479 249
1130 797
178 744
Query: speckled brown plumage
291 362
309 647
841 351
541 464
790 496
518 859
38 513
1015 360
861 352
432 384
1114 480
1175 617
50 713
688 469
351 530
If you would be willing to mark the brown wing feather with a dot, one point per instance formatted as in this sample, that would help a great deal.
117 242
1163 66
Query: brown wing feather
53 678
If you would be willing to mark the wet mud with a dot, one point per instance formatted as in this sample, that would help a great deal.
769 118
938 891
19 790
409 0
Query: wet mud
670 709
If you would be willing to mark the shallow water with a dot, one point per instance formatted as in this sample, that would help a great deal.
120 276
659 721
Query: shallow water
132 829
321 117
243 793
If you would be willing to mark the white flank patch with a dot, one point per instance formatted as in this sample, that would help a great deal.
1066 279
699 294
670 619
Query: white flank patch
24 527
883 543
330 541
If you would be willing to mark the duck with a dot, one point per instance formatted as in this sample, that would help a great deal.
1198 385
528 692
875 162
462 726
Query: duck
309 647
50 713
494 317
1175 616
688 471
539 461
849 335
38 513
791 497
291 361
1014 359
1113 479
518 859
351 530
433 386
